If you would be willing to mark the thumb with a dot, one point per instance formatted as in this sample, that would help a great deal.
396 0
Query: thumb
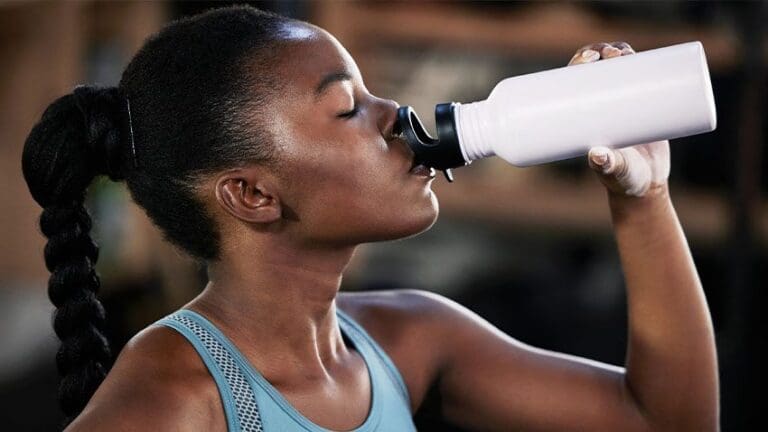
613 168
607 162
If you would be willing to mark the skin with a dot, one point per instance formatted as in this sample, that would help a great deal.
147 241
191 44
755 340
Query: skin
289 232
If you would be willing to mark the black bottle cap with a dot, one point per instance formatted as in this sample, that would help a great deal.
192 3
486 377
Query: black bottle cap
442 153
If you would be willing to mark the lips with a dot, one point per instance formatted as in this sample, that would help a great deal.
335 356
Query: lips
416 168
420 169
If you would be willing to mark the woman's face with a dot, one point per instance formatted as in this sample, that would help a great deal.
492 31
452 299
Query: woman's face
341 173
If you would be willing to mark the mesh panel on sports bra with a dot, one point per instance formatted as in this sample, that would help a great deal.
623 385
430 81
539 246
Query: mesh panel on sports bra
245 400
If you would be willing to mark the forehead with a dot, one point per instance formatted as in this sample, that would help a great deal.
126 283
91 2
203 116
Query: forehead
308 55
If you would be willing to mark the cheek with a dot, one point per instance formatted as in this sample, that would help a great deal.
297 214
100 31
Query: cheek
323 179
371 206
357 190
349 186
353 162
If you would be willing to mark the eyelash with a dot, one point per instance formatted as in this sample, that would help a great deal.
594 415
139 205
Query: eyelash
350 113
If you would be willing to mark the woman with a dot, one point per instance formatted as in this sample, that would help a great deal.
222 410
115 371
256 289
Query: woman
253 144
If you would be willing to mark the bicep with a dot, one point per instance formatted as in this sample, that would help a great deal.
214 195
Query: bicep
490 381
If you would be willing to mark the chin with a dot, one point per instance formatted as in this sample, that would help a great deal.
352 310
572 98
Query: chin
399 225
420 220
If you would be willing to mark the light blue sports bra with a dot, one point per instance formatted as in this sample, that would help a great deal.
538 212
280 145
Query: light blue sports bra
252 404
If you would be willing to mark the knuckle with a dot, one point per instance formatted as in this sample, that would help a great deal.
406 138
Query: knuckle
620 44
601 46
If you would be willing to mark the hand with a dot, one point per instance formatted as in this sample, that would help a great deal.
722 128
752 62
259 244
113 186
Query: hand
638 170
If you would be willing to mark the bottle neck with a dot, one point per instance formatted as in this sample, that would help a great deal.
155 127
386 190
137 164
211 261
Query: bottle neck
472 128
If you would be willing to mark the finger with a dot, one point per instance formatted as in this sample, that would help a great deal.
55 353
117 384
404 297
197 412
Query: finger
622 45
587 56
598 158
622 171
597 47
610 51
615 164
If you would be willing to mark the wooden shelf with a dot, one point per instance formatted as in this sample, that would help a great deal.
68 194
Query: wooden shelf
525 31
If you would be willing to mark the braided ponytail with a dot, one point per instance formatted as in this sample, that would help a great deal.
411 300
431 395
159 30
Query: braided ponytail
194 89
80 136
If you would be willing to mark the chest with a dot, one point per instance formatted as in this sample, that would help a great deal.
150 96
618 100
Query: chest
357 394
338 406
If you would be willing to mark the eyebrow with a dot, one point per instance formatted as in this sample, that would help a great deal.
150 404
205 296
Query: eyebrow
330 79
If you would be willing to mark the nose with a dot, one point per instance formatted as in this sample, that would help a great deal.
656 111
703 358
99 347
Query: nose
388 118
388 126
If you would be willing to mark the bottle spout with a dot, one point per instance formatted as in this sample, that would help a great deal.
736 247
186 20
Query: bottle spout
443 152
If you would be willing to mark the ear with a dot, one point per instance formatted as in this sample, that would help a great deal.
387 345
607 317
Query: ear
247 195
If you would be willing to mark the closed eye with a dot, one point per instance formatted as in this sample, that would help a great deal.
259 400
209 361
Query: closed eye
350 113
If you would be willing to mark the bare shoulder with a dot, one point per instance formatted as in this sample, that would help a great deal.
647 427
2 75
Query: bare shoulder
410 326
400 309
158 382
410 320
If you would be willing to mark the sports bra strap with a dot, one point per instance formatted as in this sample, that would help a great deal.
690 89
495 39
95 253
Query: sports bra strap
238 397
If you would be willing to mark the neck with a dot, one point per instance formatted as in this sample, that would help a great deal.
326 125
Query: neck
276 301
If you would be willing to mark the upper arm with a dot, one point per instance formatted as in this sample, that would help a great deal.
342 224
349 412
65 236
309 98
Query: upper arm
487 380
145 391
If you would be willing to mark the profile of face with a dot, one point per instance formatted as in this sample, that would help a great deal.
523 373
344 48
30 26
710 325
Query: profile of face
342 178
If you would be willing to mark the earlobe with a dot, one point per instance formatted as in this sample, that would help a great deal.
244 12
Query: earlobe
247 200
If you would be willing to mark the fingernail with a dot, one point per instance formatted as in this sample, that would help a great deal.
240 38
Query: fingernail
589 53
599 156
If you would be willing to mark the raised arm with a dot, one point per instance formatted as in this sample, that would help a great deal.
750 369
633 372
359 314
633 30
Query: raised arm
671 359
489 381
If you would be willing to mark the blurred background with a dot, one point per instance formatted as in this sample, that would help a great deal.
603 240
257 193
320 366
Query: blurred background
531 250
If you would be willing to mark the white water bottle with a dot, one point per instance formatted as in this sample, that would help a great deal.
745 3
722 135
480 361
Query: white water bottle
653 95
